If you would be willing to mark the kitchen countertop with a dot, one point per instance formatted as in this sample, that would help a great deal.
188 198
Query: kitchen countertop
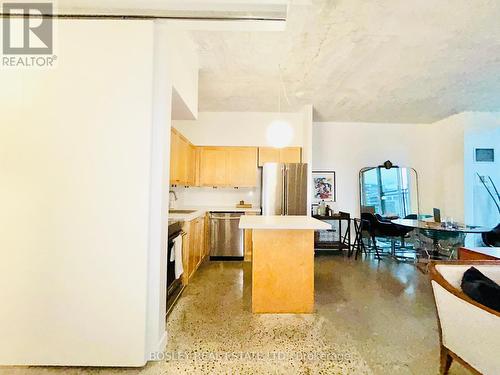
202 210
220 208
282 222
186 216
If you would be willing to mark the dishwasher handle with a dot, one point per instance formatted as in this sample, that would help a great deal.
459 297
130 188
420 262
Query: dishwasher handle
225 218
226 215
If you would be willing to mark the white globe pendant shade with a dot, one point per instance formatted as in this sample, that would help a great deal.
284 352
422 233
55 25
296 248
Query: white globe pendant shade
279 134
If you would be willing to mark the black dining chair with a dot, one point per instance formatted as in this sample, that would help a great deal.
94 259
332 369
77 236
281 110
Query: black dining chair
492 238
379 227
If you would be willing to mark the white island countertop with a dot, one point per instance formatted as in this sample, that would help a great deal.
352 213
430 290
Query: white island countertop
282 222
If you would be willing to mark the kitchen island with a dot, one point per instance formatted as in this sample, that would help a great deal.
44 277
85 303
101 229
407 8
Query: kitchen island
282 262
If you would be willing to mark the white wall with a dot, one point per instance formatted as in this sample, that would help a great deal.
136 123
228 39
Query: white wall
454 140
482 131
232 129
183 67
347 147
448 163
307 150
237 128
77 161
440 152
156 335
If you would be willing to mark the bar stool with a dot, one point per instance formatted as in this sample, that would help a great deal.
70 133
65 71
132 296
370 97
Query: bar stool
358 245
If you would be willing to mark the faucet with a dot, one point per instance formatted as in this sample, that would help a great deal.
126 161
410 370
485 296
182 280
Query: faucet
171 201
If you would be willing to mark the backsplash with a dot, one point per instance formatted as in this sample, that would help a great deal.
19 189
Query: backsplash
207 196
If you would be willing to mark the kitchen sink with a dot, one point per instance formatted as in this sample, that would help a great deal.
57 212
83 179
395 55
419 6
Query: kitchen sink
181 211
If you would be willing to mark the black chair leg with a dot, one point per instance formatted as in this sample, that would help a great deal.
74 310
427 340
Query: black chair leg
361 246
356 244
350 251
377 254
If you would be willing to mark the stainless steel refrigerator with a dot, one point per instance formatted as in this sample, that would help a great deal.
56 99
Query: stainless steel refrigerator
284 189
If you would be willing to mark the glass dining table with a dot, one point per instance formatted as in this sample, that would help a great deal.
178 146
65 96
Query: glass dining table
439 240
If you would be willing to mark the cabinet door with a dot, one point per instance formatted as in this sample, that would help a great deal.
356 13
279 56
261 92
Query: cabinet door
192 248
183 161
206 236
191 174
242 167
186 251
268 155
291 155
174 158
212 166
195 244
248 241
200 227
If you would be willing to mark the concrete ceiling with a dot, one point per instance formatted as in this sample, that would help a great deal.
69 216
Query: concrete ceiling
361 60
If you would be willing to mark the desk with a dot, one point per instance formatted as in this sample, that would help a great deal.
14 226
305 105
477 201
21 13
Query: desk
433 226
439 233
344 240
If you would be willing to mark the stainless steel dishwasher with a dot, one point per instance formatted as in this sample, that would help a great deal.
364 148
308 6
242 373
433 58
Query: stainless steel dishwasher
226 239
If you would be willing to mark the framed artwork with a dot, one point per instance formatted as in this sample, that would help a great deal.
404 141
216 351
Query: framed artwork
324 186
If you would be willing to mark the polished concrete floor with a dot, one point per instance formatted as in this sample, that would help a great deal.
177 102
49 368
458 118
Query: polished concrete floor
372 317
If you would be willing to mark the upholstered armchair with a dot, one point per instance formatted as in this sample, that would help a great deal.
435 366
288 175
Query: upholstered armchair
469 331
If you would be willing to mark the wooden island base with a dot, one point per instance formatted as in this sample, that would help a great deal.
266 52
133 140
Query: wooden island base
283 271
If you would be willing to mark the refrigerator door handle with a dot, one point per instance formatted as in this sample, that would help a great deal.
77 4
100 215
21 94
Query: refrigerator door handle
284 210
283 174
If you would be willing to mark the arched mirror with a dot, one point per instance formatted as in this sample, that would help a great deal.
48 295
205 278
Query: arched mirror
389 190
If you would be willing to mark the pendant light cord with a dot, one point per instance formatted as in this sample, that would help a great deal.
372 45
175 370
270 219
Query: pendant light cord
282 84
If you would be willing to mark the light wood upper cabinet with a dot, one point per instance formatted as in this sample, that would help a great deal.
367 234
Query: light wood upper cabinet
268 155
192 166
213 165
279 155
221 166
182 160
291 155
242 166
228 166
174 158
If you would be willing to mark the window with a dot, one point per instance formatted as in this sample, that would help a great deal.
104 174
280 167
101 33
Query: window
388 191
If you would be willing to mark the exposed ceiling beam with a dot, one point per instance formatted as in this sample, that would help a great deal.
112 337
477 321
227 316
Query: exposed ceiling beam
255 8
216 15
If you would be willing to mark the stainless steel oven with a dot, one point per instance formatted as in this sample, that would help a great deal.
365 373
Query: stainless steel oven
174 286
